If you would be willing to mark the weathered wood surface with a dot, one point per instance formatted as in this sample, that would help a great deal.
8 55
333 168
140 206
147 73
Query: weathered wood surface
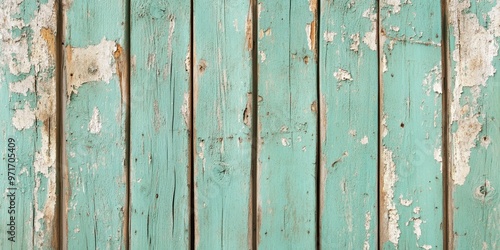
474 30
222 111
160 123
411 193
349 131
95 132
287 124
28 125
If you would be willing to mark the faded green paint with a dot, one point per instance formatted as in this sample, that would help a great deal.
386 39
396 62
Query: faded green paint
95 113
287 118
160 121
222 124
28 116
474 31
411 208
349 130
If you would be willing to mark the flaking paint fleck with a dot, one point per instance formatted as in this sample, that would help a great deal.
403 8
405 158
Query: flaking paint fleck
342 75
391 215
23 86
24 118
355 42
370 37
328 36
95 124
364 140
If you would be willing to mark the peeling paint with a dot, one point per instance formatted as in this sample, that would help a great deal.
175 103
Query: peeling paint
342 75
433 80
90 64
405 202
364 140
23 86
95 124
262 56
311 35
396 5
370 37
355 42
389 181
24 118
185 110
368 219
328 36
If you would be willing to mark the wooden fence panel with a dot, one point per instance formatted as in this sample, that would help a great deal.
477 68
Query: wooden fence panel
222 111
160 124
348 69
474 124
28 125
411 189
95 117
287 124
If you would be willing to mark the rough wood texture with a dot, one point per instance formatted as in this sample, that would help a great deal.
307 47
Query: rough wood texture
28 124
411 207
474 119
160 121
349 130
222 123
287 118
95 114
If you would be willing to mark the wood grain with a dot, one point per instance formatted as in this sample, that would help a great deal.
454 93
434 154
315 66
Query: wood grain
287 120
348 67
28 123
474 30
222 123
411 189
95 115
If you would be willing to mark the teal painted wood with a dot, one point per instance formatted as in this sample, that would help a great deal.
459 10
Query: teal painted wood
411 207
28 125
95 114
287 118
160 124
349 131
222 124
474 30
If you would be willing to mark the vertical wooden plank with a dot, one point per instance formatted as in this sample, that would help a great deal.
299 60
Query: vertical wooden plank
411 76
28 124
287 117
222 123
160 124
95 161
474 123
349 131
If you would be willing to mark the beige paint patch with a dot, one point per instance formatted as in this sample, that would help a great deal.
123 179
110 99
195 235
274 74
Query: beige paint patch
90 64
24 118
23 86
95 124
328 36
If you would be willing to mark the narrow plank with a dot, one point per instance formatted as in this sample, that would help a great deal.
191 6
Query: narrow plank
28 100
95 114
411 77
349 131
222 123
287 118
160 124
474 30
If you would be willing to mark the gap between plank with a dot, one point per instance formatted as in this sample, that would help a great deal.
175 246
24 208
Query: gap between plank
255 132
128 107
58 228
318 129
379 125
191 138
447 212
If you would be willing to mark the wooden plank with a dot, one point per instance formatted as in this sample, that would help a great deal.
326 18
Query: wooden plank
287 118
349 130
160 124
222 124
411 76
474 124
95 115
28 100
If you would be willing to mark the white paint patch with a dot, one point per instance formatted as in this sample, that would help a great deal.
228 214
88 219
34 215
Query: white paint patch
185 108
364 140
95 124
427 247
405 202
355 42
352 132
390 179
384 63
342 75
187 61
437 155
24 118
23 86
328 36
433 80
284 142
90 64
416 228
396 5
308 33
370 37
262 56
485 142
476 47
368 219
